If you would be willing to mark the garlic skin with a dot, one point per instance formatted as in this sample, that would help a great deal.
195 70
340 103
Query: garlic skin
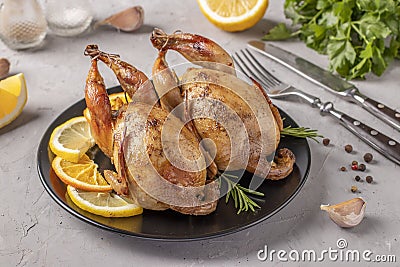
346 214
4 67
127 20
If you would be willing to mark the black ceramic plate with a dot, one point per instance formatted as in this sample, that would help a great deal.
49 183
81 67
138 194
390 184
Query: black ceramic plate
170 225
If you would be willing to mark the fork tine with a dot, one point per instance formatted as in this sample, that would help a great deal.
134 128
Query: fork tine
239 62
249 70
263 71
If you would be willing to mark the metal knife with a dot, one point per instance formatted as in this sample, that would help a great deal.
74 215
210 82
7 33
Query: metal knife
328 81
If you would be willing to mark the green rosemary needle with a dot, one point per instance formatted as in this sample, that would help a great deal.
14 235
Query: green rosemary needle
301 132
239 194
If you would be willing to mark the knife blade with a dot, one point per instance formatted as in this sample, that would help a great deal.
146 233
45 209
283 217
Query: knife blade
328 81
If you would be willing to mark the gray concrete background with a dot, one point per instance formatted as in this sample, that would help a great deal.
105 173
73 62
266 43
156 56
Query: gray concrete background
35 231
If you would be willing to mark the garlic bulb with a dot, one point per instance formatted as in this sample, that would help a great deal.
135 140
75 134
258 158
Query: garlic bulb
346 214
127 20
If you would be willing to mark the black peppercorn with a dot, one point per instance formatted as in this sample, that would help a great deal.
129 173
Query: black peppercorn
361 167
325 141
357 178
369 179
343 169
348 148
354 162
368 157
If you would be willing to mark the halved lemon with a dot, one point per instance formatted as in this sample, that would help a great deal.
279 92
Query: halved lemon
13 96
104 204
233 15
72 139
83 175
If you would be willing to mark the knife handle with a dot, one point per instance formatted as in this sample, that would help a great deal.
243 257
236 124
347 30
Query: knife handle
383 144
378 109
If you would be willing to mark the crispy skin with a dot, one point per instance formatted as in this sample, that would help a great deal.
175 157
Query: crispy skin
132 80
200 84
194 48
148 158
99 107
166 84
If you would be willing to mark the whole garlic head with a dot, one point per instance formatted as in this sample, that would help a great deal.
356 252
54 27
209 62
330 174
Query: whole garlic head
346 214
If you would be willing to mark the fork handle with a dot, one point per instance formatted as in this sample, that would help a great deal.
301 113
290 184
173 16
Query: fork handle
383 144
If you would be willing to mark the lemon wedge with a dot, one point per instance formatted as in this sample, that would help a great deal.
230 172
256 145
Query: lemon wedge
83 175
104 204
233 15
117 100
72 139
13 96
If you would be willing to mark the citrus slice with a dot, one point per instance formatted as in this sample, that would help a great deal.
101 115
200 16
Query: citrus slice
13 96
83 175
116 101
233 15
72 139
104 204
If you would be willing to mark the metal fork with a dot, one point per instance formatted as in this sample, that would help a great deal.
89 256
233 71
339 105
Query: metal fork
277 89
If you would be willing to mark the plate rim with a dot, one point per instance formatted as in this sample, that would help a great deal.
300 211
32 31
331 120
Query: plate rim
154 237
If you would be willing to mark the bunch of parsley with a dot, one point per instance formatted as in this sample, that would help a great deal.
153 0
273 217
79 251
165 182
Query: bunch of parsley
359 36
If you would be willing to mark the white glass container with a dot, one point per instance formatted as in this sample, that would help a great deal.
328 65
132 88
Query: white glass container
22 24
68 18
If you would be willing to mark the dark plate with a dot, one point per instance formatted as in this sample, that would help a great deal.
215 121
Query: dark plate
170 225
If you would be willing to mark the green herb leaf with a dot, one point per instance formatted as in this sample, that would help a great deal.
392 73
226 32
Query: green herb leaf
372 27
379 63
279 32
301 132
239 193
341 53
359 36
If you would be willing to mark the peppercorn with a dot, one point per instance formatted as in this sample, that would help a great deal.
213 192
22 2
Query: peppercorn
354 162
357 178
354 167
343 168
369 179
353 188
348 148
368 157
325 141
361 167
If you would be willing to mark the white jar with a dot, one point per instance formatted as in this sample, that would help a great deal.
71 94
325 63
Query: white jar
22 24
68 18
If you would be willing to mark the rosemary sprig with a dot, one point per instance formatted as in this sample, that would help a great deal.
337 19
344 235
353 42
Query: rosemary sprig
301 132
239 194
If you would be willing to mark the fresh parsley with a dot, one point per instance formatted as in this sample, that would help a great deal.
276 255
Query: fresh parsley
359 36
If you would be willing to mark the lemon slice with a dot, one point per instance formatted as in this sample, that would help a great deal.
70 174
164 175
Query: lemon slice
72 139
104 204
233 15
116 101
83 175
13 96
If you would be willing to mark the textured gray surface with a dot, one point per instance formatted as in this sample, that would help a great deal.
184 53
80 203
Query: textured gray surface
35 231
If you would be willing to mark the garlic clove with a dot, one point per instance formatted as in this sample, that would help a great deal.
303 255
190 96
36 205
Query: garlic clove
346 214
4 67
127 20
